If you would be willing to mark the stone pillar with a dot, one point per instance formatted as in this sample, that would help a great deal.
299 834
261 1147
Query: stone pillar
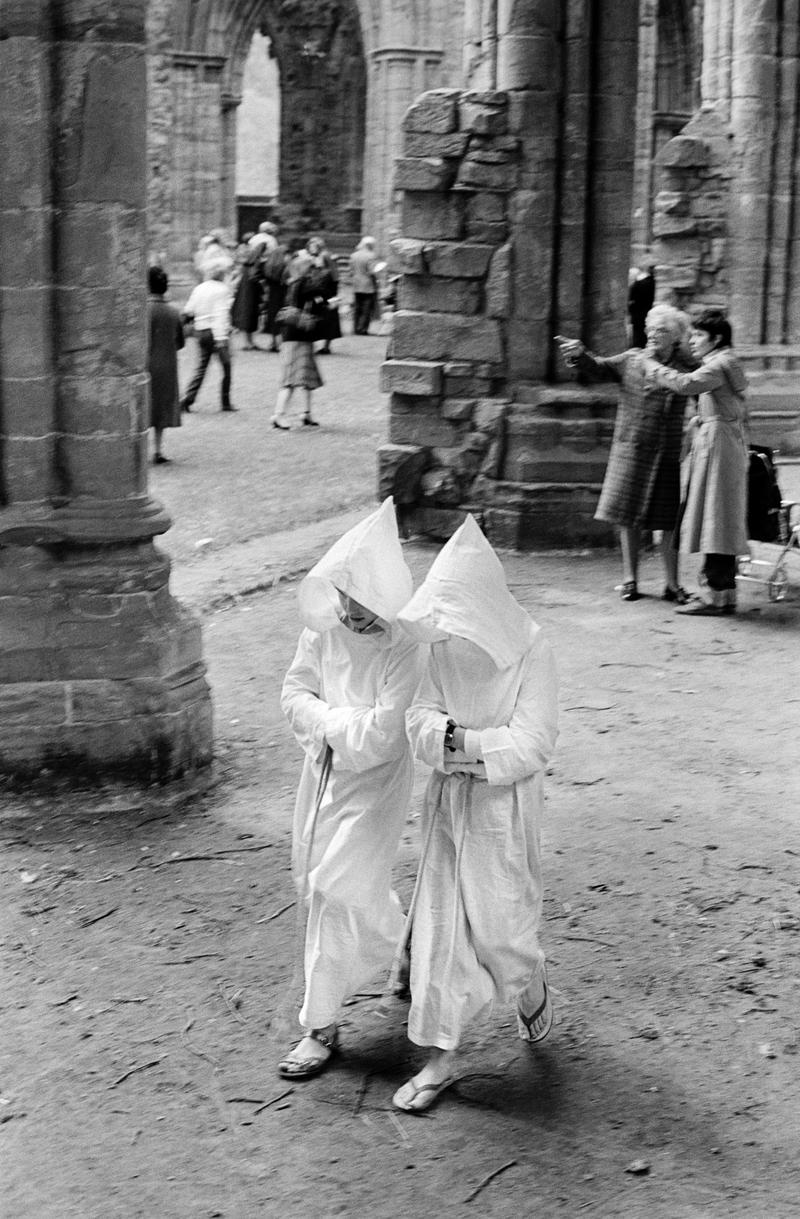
515 226
229 105
198 160
645 105
99 668
397 74
728 212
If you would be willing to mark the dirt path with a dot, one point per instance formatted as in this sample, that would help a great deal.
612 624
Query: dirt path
147 935
148 950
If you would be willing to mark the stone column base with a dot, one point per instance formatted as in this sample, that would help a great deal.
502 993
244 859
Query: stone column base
101 670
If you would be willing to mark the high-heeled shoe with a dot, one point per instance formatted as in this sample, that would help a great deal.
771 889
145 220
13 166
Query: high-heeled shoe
283 427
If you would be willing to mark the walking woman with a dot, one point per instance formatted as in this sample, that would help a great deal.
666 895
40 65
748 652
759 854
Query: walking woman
300 320
641 487
713 519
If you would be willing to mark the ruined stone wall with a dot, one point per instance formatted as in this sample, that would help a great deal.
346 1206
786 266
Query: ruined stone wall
447 370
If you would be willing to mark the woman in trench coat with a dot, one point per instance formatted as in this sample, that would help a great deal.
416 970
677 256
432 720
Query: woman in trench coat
714 508
641 487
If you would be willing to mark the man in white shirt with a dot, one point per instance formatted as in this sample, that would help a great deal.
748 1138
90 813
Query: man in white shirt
210 307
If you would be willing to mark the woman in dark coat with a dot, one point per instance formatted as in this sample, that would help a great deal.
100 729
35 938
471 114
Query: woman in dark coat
246 307
165 340
327 279
304 310
641 488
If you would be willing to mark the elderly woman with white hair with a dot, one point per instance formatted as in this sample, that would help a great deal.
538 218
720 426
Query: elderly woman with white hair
641 488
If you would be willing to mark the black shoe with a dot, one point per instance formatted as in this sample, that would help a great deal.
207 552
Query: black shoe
629 591
185 407
678 595
229 408
309 422
161 460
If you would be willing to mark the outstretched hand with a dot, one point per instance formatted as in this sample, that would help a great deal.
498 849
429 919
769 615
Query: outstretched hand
571 349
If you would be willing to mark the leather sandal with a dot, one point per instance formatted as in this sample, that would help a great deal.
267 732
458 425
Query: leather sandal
416 1098
536 1027
295 1067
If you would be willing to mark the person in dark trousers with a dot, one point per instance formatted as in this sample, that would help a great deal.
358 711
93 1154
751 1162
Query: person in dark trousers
210 308
165 340
641 295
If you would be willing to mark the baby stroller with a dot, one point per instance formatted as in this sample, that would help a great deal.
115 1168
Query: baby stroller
771 520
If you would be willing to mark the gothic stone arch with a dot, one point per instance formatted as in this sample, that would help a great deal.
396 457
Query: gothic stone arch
349 70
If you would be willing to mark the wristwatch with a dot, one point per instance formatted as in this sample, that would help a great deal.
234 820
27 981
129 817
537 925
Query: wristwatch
448 735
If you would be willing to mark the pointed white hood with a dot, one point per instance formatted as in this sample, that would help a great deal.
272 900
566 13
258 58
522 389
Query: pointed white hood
465 594
367 564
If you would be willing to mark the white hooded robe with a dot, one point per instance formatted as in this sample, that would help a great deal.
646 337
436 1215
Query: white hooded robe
351 692
475 935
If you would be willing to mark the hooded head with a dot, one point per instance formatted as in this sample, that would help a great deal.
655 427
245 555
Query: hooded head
367 567
465 595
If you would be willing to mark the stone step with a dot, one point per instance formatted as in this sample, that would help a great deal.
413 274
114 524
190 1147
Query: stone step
548 448
564 401
543 515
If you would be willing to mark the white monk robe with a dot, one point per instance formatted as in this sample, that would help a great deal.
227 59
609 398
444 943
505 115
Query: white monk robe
351 692
475 937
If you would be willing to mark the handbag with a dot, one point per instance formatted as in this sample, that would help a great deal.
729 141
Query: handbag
300 319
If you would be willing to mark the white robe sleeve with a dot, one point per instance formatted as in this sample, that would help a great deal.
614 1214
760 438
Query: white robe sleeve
363 737
426 719
525 745
300 696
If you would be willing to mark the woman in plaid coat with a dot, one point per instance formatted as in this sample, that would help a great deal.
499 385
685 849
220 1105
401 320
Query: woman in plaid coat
641 488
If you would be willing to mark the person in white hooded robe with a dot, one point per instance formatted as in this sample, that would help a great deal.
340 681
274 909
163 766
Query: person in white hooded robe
485 718
347 692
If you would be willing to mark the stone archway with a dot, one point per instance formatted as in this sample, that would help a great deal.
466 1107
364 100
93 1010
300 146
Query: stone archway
349 71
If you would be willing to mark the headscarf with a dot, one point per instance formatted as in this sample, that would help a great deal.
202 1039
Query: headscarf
367 564
465 594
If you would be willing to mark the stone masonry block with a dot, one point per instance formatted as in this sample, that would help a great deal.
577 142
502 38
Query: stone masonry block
429 215
428 144
25 247
498 284
445 336
435 111
487 177
29 463
486 231
487 206
489 412
424 427
99 466
440 295
458 260
29 407
400 468
424 173
417 378
25 331
408 255
40 702
683 152
484 113
458 409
